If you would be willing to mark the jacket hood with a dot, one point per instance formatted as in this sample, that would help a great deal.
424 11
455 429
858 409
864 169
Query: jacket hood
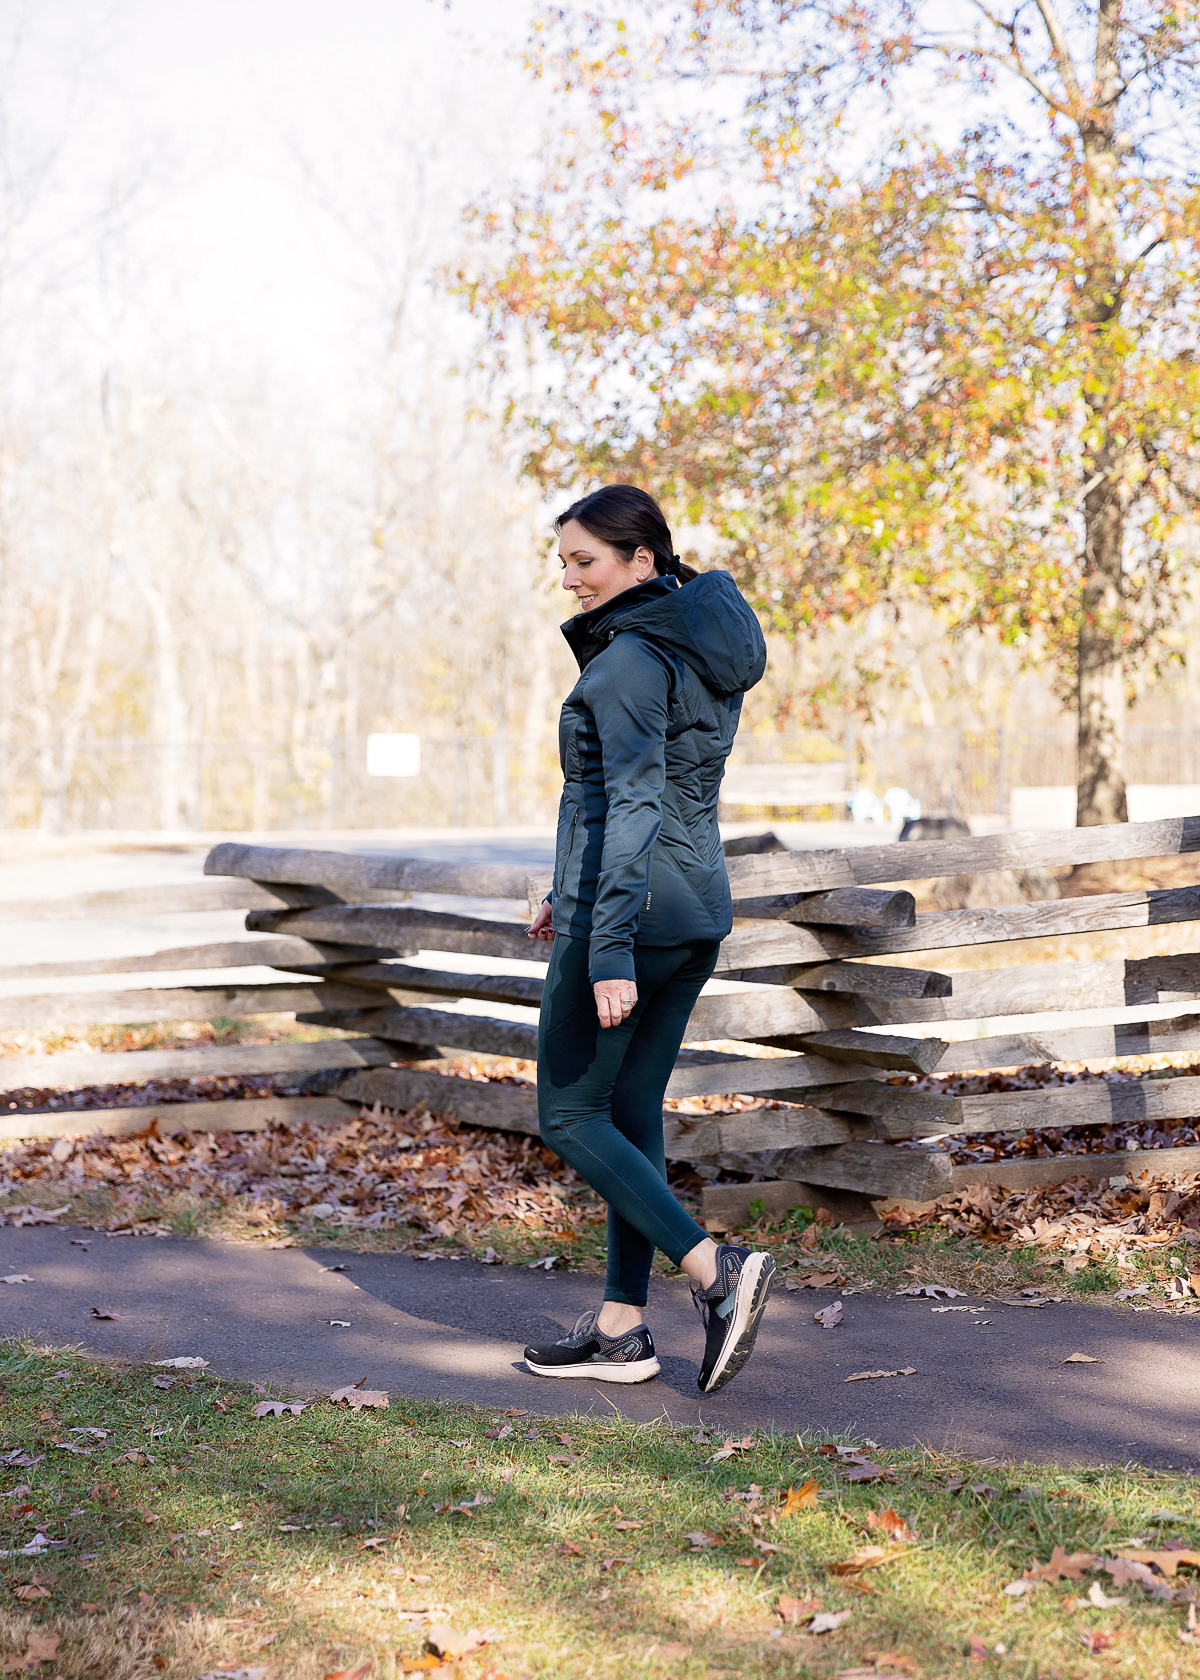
706 622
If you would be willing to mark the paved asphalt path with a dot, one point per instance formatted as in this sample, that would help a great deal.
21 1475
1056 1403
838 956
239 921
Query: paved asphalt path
989 1383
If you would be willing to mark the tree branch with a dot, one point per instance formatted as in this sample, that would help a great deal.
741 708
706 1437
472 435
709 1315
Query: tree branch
1062 52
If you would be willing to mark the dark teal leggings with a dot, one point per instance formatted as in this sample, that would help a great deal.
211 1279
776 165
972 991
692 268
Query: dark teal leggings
600 1095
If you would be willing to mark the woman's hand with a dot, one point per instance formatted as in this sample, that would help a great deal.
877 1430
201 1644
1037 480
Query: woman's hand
539 927
614 1001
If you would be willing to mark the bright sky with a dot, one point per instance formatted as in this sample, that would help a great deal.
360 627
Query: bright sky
225 97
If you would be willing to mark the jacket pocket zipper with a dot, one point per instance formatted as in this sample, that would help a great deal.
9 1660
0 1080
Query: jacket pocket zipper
559 882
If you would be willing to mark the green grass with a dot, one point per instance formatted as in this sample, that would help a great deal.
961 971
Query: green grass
258 1526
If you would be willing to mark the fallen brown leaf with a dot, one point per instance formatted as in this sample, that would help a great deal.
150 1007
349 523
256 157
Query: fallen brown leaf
276 1408
731 1446
866 1472
979 1648
828 1621
1124 1573
892 1525
814 1280
804 1498
864 1376
1062 1566
99 1312
793 1611
359 1673
43 1647
356 1396
629 1525
568 1548
1080 1359
1166 1562
892 1662
1098 1597
614 1562
1093 1640
702 1542
32 1591
446 1643
870 1557
829 1317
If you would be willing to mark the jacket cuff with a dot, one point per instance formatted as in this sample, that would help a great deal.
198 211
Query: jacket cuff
611 965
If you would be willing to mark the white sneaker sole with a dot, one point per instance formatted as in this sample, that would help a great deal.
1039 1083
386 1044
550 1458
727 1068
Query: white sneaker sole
754 1286
639 1370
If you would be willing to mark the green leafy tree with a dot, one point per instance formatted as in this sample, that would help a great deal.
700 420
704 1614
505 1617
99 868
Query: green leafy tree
886 362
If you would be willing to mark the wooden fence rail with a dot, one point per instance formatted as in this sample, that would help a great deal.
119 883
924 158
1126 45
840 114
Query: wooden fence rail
354 953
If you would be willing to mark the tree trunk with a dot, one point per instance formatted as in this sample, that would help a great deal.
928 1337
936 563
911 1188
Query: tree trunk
1100 790
1100 787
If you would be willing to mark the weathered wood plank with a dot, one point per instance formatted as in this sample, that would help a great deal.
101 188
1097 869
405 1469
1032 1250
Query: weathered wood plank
936 930
484 1033
164 900
1057 1169
503 1107
744 1075
1078 1044
749 1016
763 944
1036 989
361 873
878 1050
852 907
875 1169
509 1108
407 977
790 872
722 1137
253 1114
906 1113
171 1003
293 955
764 1012
873 981
68 1070
405 930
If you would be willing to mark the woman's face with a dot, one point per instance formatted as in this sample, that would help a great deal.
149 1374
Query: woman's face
593 571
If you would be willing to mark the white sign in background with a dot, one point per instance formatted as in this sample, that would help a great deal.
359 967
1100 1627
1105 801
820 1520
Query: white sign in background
393 755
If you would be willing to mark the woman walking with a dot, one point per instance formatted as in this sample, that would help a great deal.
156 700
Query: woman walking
639 907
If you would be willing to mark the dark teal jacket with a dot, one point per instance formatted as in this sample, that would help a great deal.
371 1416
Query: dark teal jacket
643 740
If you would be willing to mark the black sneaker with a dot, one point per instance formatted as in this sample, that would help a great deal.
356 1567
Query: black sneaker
587 1352
731 1310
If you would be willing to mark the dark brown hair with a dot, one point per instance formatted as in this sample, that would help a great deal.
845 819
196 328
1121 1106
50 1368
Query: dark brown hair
627 519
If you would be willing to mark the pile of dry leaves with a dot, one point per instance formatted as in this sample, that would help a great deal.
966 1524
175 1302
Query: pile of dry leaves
374 1172
1076 1217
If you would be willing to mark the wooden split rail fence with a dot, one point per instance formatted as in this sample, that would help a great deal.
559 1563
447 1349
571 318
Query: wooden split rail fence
344 928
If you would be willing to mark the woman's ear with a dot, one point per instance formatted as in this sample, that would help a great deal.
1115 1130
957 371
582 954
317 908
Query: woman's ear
643 561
